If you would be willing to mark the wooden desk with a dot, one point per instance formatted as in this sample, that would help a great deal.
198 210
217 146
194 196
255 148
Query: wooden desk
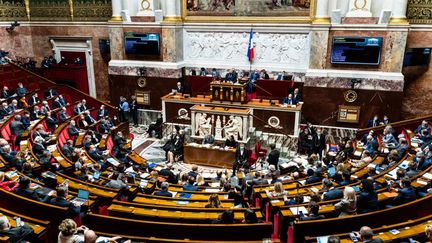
227 91
209 156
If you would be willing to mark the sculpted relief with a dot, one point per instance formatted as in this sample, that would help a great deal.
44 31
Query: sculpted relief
270 48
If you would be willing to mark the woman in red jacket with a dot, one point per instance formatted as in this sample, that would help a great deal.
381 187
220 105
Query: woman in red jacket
7 185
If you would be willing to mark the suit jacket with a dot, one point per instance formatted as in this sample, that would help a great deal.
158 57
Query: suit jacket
62 101
82 124
367 202
63 116
77 109
44 109
312 217
32 194
287 101
33 100
73 130
25 121
19 234
12 107
373 123
241 157
163 193
21 91
101 113
38 148
51 122
90 120
405 195
189 187
319 143
17 128
273 157
95 155
50 93
296 98
57 104
333 194
5 94
5 111
61 202
68 150
103 128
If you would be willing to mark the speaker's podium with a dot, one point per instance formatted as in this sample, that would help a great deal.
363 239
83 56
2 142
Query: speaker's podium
227 91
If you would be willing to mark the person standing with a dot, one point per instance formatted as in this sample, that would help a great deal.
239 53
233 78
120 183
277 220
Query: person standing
134 110
123 109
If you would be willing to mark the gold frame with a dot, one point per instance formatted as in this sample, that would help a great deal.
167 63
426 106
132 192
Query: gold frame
248 19
142 97
347 108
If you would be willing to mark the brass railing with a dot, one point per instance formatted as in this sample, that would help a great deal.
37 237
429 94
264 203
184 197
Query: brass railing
55 10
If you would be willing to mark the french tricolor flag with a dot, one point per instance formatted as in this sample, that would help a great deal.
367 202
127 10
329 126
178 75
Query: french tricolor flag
250 53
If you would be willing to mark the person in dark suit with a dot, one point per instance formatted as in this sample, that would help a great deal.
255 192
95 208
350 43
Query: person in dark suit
375 121
296 95
208 139
319 143
288 100
179 88
39 132
134 110
17 129
38 146
78 108
189 186
230 142
312 177
20 233
273 157
367 200
366 235
21 90
306 142
194 172
423 126
68 149
313 212
102 112
82 123
25 191
62 100
406 194
156 127
168 173
97 155
330 193
163 192
6 93
51 122
44 108
13 106
11 157
231 76
73 131
26 120
60 200
57 103
50 92
63 116
104 126
34 99
241 158
4 110
89 118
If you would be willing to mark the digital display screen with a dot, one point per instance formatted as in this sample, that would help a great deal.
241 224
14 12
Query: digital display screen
356 50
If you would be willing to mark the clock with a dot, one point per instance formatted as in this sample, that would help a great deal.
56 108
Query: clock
360 4
142 82
350 96
146 5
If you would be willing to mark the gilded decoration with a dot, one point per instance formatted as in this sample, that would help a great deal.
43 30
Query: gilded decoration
50 10
12 10
297 11
419 11
92 10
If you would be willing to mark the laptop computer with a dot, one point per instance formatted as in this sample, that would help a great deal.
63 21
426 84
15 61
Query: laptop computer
83 196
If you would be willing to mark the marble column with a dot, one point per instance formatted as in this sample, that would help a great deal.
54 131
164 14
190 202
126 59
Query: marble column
399 9
318 48
172 10
333 5
116 42
321 15
116 10
172 42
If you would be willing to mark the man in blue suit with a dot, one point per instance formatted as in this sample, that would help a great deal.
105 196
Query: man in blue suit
330 193
406 194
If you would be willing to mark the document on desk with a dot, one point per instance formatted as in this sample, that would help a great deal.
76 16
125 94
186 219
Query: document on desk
295 210
427 176
322 239
212 190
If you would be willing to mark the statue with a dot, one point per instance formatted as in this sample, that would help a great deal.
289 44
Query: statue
218 129
234 127
203 124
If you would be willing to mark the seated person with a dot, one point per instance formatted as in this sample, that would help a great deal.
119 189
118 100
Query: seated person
104 126
366 235
102 112
25 191
38 146
423 126
179 88
35 113
406 194
155 127
51 122
50 92
4 110
21 90
61 201
213 201
13 106
20 233
73 130
69 151
330 192
40 132
296 96
57 103
33 99
63 116
313 209
374 122
45 108
7 185
176 149
98 156
365 160
6 94
48 162
163 192
227 217
230 142
208 139
89 118
63 101
78 109
190 185
231 76
288 100
25 120
116 181
69 233
11 157
82 123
